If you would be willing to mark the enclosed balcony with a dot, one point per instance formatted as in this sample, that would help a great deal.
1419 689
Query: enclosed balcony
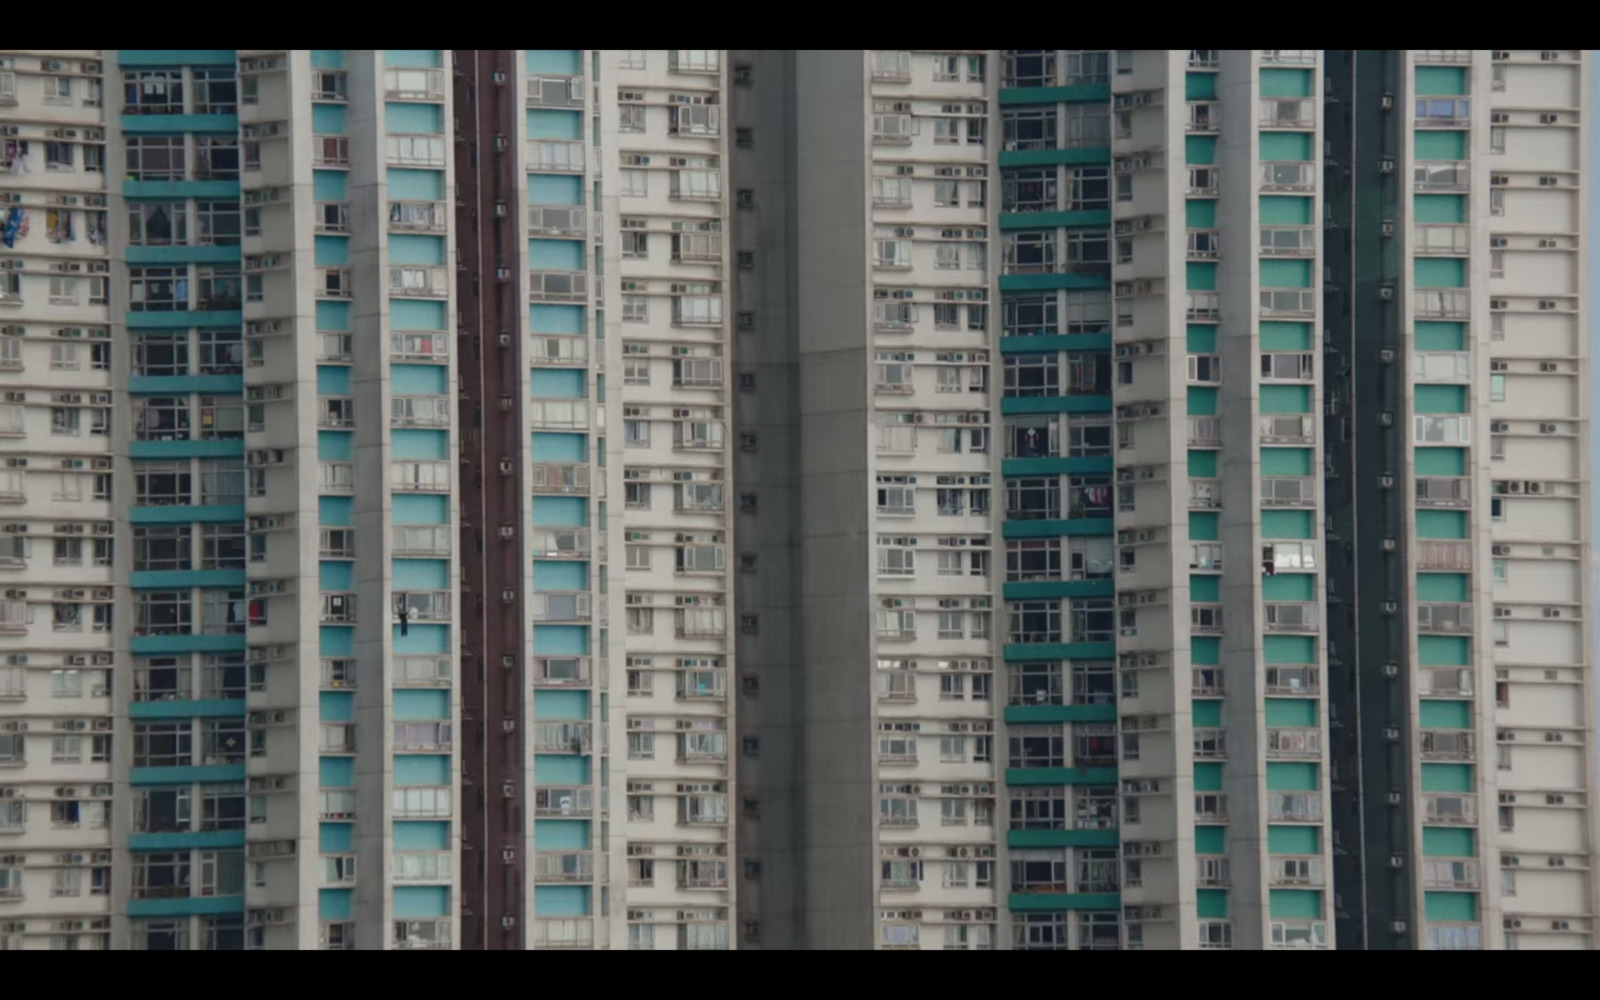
1435 555
422 736
573 802
1289 175
1289 491
419 411
557 607
1288 114
558 414
1442 175
555 91
546 477
413 84
563 737
1290 616
419 282
423 866
1444 491
419 216
558 286
1439 618
556 220
560 543
420 477
1294 807
1300 429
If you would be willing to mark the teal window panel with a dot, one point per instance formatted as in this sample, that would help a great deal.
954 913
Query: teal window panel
336 772
560 640
558 383
333 317
1429 336
336 838
1281 336
554 189
1439 208
555 255
1441 524
1203 464
1200 151
552 771
1202 400
1289 587
421 836
335 512
560 512
336 706
561 901
552 124
336 575
1456 907
1440 144
1285 210
1440 399
1205 651
335 904
1441 81
330 185
1449 842
1286 82
560 706
417 445
328 119
1435 713
411 248
1205 588
1294 840
1203 525
560 835
1200 338
333 380
555 575
1208 775
413 58
560 448
334 446
1200 214
416 185
1444 651
1292 712
1452 588
1286 273
1285 399
421 902
1200 86
1441 461
419 380
556 319
1285 147
1448 778
1291 776
327 59
1201 276
421 574
1211 840
415 508
1211 904
421 770
1291 524
556 62
1295 904
421 639
1439 272
1286 461
417 315
1207 713
421 705
413 118
1288 650
336 641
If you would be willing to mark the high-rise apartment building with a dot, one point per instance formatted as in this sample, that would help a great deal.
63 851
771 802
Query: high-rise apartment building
1069 500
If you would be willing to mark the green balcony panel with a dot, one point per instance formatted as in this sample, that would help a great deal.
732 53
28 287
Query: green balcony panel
1211 840
1200 151
1200 215
1285 210
1437 714
1045 157
1036 902
1033 776
1206 589
1447 588
1290 776
1203 464
1441 461
1045 589
1207 714
1029 714
1200 276
1201 338
1430 336
1455 907
1439 272
1048 345
1285 147
1289 587
1200 86
1444 651
1052 220
1449 842
1294 840
1016 839
1203 525
1447 778
1208 776
1061 651
1441 144
1076 93
1439 208
1298 713
1295 904
1202 400
1286 83
1282 399
1441 81
1056 404
1287 524
1288 650
1211 904
1449 524
1286 274
1286 461
1278 335
1440 399
1205 651
1088 465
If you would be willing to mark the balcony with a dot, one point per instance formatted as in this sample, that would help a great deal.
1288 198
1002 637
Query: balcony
558 286
1205 432
1298 681
1444 491
419 347
422 737
572 866
558 414
1289 871
1292 491
1449 745
575 802
418 216
419 477
1452 619
555 91
1442 241
553 351
1289 114
337 804
421 541
1204 307
1289 744
551 934
556 220
1288 241
1442 175
1205 619
1435 556
560 543
423 605
557 607
419 411
338 609
1290 616
1441 366
1288 175
547 477
422 935
1205 494
1443 112
1446 682
413 84
1451 873
419 282
1450 810
1299 934
1289 57
563 737
1288 429
1204 244
422 802
402 150
556 157
423 866
1296 302
421 671
1294 807
1205 118
560 671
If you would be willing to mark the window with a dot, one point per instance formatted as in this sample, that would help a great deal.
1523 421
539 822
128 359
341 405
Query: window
216 92
219 223
158 289
634 184
153 92
163 744
1087 189
1029 128
156 158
